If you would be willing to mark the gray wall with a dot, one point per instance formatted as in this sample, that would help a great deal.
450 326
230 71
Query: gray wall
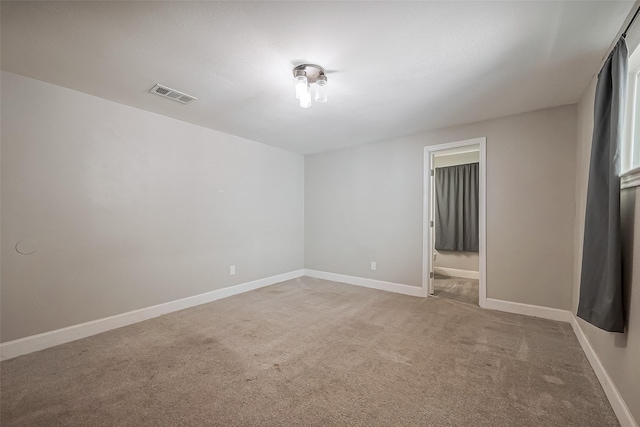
619 353
365 204
456 159
469 261
131 209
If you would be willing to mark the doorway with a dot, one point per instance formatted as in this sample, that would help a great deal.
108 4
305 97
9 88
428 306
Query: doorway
452 274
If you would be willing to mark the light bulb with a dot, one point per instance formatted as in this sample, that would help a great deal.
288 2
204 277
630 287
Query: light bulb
321 88
305 98
301 83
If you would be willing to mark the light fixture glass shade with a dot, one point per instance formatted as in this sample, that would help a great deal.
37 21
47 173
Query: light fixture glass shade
301 83
321 88
305 98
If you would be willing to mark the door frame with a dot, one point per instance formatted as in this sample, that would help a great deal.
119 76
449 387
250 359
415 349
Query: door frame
427 247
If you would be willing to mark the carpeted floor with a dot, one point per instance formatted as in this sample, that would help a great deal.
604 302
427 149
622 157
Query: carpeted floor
457 289
309 352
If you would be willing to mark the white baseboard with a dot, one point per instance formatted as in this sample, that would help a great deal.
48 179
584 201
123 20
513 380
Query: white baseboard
529 310
455 272
37 342
615 399
415 291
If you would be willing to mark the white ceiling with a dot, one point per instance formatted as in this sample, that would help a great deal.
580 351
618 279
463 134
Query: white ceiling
400 67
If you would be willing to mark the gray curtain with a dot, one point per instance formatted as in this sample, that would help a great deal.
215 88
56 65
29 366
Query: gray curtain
601 280
456 224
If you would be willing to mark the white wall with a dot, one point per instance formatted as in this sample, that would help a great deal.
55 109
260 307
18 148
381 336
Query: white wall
469 261
129 209
619 353
364 204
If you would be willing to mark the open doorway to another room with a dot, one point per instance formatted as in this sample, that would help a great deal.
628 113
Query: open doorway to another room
454 221
456 260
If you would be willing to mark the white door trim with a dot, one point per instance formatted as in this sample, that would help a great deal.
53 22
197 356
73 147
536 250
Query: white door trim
427 250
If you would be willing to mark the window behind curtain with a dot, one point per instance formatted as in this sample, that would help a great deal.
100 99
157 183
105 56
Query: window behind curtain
631 141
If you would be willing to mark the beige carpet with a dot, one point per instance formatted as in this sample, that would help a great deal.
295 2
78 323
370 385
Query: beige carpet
457 289
309 352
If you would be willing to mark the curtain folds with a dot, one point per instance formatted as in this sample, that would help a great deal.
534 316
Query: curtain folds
601 279
457 221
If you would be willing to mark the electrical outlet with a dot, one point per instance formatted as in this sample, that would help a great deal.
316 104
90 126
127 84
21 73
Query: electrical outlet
373 265
232 270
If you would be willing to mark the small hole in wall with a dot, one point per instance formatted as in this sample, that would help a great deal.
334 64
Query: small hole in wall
26 247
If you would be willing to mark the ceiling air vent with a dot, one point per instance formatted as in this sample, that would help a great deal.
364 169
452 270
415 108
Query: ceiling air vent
172 94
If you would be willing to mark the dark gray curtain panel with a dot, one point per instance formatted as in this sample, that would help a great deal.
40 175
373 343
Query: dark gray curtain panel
601 279
457 194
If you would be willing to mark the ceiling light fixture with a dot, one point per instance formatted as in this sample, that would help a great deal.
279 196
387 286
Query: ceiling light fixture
304 76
